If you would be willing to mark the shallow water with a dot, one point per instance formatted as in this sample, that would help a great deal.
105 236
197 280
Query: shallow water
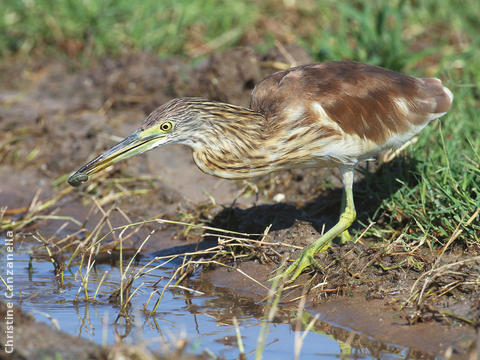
204 319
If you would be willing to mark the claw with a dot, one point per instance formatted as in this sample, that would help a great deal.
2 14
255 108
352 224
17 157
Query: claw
305 260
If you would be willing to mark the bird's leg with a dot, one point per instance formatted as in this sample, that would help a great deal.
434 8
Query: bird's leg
345 236
347 217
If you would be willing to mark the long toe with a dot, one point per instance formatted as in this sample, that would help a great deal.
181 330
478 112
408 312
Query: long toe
306 259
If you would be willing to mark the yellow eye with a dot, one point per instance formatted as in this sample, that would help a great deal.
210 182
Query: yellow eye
166 126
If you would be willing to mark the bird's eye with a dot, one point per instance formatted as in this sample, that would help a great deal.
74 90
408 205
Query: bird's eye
166 126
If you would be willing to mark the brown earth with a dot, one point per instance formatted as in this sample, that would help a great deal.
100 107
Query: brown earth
55 116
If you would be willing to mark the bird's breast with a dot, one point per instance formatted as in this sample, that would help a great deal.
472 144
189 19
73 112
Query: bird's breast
231 167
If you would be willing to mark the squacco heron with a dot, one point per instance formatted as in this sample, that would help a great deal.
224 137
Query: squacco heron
331 114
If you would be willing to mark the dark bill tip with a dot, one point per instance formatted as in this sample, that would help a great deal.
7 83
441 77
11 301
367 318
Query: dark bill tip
126 148
77 179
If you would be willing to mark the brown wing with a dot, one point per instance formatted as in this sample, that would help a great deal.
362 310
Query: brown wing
369 101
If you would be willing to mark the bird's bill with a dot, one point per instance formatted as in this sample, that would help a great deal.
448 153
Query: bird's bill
133 145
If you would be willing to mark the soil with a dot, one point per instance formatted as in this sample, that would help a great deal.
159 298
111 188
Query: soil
54 116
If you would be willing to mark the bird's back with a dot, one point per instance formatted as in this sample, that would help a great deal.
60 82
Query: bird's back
367 107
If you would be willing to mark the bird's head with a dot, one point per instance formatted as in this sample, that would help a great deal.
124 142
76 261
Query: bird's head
176 122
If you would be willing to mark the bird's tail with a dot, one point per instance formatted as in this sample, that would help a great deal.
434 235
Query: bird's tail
439 97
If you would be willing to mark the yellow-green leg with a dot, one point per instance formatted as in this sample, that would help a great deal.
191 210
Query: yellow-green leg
345 236
347 217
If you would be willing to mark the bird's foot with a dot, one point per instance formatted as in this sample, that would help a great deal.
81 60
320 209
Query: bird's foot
306 259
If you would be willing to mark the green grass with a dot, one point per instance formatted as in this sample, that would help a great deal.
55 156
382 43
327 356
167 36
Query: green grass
106 27
367 31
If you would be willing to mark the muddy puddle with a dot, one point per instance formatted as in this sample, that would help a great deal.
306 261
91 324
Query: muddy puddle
68 241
